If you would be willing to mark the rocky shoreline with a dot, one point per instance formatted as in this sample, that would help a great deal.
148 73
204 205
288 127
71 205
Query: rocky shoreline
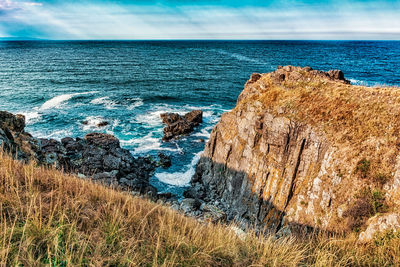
264 165
97 155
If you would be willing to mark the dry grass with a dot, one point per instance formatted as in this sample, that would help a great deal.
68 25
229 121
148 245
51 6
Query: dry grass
50 218
360 123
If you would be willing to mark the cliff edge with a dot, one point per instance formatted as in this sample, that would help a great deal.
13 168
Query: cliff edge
305 148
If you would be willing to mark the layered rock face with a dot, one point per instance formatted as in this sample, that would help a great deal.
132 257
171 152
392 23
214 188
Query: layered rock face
295 151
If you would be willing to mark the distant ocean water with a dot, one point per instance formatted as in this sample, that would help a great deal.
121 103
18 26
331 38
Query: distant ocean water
58 84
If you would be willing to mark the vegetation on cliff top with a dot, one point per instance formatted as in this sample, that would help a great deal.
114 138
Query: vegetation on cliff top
51 218
364 118
361 123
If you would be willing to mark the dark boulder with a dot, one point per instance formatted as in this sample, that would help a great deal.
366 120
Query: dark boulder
14 139
337 75
165 160
105 141
14 123
190 204
102 124
179 125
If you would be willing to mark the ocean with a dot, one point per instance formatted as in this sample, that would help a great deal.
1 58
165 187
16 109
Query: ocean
59 84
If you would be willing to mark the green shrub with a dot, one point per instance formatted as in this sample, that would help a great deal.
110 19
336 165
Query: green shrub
367 203
363 167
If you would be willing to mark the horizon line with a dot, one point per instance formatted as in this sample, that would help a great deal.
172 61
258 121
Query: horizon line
117 40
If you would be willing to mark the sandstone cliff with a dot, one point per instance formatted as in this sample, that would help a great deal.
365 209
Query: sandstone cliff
304 147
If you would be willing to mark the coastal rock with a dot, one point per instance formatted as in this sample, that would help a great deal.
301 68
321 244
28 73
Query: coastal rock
179 125
298 151
14 123
165 160
14 139
190 204
212 213
100 156
102 124
380 224
97 155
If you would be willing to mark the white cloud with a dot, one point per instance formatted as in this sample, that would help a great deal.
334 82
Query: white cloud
113 21
12 5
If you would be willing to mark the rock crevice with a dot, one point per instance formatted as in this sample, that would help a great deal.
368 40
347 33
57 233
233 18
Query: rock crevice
275 160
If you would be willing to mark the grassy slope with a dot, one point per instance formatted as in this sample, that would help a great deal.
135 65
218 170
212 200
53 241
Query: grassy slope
50 218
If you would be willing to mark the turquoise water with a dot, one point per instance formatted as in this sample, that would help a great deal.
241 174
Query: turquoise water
57 85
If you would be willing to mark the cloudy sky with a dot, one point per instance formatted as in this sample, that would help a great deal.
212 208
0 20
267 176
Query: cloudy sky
200 19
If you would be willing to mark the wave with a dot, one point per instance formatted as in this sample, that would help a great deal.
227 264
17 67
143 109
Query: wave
105 100
357 82
56 101
365 83
138 103
204 133
31 117
155 98
180 178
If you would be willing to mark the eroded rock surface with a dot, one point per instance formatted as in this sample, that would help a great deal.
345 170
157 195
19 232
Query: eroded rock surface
179 125
274 161
380 224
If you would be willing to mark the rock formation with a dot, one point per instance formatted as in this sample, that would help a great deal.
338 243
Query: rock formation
304 148
178 125
14 139
97 155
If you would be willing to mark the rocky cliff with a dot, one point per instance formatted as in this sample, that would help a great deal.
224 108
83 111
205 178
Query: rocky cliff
304 147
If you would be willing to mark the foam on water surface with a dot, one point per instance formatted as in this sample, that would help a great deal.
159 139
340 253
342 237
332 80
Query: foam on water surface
129 84
57 101
180 178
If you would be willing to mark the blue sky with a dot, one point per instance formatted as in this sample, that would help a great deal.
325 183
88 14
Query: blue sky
200 19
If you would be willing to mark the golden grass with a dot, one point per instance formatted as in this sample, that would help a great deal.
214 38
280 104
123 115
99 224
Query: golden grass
48 218
360 122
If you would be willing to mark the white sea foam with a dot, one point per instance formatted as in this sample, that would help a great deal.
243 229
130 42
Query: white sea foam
357 82
148 143
138 103
151 119
105 100
92 122
56 134
57 101
31 117
205 133
365 83
180 178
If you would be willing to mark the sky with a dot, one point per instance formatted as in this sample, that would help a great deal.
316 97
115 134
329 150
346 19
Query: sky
200 19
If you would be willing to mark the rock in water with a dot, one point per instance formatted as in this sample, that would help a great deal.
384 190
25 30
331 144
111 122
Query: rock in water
165 160
97 155
179 125
303 148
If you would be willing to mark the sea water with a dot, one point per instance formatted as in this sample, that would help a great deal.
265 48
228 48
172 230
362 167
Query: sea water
59 84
